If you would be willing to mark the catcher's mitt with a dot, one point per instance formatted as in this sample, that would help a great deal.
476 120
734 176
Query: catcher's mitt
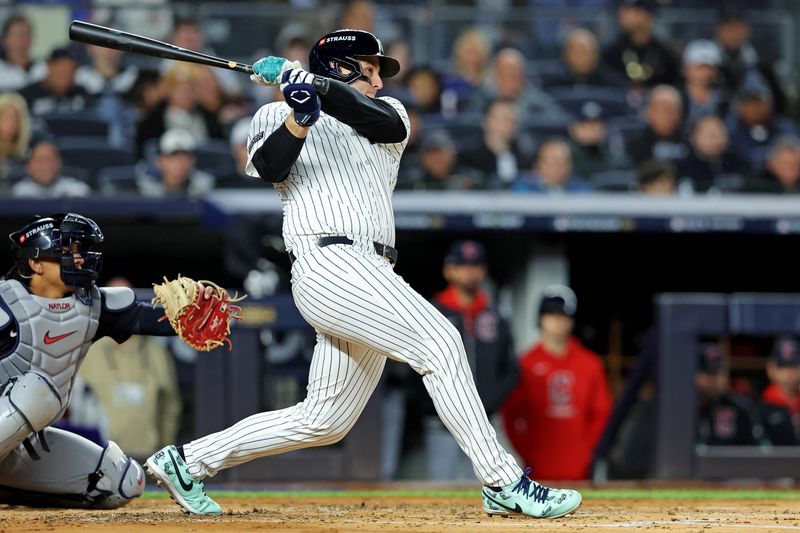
202 323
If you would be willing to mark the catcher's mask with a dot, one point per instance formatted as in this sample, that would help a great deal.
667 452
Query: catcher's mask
59 237
336 56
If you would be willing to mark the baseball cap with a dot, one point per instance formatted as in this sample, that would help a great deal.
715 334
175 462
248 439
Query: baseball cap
711 358
176 140
63 52
754 87
731 12
649 5
436 140
558 300
466 253
785 352
701 52
590 110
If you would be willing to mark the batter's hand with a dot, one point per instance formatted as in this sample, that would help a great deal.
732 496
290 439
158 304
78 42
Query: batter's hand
299 91
268 70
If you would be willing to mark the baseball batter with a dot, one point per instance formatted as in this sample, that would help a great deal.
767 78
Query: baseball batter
50 313
332 151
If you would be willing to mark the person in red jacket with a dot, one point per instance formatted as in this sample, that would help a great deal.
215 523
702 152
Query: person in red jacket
557 413
783 370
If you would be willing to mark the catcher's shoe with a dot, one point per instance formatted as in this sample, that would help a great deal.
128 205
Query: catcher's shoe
169 471
527 497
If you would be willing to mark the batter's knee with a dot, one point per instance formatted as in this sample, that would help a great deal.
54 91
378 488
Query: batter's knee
117 480
28 405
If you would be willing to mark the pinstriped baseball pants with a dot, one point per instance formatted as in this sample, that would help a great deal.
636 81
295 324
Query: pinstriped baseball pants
363 312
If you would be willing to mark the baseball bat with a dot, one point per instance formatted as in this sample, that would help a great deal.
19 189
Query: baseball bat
129 42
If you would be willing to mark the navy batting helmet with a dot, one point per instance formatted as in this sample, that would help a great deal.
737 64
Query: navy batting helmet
59 237
336 55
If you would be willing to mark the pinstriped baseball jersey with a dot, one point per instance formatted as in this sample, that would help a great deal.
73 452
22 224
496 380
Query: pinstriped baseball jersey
362 311
340 185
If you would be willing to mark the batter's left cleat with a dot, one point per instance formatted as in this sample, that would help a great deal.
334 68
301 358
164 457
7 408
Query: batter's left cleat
169 470
527 497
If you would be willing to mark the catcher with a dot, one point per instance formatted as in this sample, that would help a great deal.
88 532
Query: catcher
50 313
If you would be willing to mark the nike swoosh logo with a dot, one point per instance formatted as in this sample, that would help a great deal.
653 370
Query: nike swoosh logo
50 340
186 486
516 508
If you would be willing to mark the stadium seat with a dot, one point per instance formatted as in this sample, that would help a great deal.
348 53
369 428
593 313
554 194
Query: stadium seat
80 174
542 126
613 100
93 156
214 156
111 180
82 123
614 180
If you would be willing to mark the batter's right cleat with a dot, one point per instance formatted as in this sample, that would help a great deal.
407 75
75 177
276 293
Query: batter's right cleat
527 497
169 471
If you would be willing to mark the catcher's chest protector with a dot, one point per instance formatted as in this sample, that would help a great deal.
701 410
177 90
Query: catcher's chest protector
53 336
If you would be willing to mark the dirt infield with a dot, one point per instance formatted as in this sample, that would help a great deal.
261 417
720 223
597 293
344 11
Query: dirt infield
434 515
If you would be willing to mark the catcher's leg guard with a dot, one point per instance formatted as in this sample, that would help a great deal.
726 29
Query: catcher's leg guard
27 406
62 469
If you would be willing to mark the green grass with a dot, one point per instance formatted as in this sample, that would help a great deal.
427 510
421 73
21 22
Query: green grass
588 494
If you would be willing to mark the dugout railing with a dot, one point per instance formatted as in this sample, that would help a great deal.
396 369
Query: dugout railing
682 321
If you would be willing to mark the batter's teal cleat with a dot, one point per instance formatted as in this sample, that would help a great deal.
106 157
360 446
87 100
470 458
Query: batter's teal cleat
169 471
527 497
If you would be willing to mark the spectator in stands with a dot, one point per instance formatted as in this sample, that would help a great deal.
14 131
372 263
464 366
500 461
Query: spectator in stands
15 134
552 171
783 371
502 153
212 98
175 173
238 144
658 178
57 92
188 33
509 81
424 86
293 42
701 96
395 86
43 178
637 54
439 168
782 172
590 142
17 68
664 138
469 67
358 15
563 399
724 417
107 73
137 388
180 108
487 338
739 57
581 58
710 164
755 125
410 162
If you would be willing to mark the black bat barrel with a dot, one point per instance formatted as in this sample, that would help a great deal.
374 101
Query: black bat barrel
129 42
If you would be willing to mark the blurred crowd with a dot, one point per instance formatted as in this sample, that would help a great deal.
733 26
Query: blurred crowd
642 112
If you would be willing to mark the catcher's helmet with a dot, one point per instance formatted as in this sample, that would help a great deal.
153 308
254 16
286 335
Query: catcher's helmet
59 237
343 48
